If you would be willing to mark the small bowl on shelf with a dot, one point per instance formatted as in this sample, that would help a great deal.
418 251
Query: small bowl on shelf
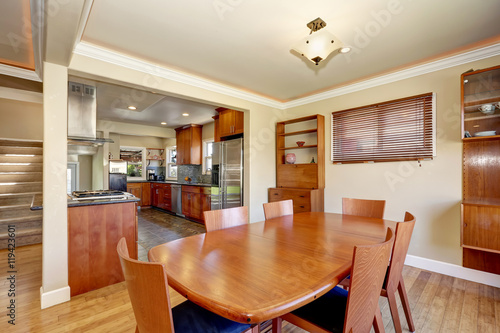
300 143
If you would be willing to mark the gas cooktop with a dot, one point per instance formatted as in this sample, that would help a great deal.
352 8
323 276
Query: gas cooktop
99 194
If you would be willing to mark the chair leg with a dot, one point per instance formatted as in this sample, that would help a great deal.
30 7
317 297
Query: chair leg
406 304
378 324
254 329
393 305
277 322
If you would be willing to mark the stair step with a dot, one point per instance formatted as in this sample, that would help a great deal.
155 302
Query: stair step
21 167
20 187
21 150
16 199
20 158
23 237
9 177
22 223
20 143
19 211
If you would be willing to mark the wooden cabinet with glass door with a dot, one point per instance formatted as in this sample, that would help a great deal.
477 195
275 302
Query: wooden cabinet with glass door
480 232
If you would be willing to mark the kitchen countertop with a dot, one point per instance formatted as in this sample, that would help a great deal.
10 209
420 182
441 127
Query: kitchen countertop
37 202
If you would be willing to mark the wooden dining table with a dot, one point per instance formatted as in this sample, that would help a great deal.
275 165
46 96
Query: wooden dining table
259 271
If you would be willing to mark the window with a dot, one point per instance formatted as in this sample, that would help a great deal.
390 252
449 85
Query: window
171 162
135 160
398 130
207 156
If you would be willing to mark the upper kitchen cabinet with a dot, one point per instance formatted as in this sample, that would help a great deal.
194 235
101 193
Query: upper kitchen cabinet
230 122
189 145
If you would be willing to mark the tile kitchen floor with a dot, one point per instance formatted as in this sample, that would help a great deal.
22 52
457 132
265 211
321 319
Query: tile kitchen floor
157 227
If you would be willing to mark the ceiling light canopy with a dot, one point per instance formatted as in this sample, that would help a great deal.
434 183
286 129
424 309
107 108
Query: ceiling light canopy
319 44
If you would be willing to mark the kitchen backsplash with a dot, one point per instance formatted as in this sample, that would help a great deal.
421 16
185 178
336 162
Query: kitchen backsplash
194 172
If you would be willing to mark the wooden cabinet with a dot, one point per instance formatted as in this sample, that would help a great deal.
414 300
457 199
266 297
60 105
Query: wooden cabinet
146 195
304 180
304 200
136 190
195 200
161 196
230 122
189 146
93 234
480 229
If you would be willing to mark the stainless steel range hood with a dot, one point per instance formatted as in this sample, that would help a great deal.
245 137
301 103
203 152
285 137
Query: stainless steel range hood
82 116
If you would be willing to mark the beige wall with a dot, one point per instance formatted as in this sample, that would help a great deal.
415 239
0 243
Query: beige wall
431 192
208 131
85 162
141 141
21 120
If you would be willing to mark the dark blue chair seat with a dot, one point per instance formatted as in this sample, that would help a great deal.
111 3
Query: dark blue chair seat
328 311
191 318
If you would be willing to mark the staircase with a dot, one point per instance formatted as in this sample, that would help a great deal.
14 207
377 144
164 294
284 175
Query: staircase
20 180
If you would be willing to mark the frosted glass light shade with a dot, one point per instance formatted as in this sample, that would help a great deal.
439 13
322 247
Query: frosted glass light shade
318 45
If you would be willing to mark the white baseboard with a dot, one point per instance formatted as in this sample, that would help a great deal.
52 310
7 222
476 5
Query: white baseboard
454 270
54 297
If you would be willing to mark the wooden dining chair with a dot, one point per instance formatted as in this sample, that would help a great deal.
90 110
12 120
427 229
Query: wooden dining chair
353 311
148 290
225 218
278 208
394 278
362 207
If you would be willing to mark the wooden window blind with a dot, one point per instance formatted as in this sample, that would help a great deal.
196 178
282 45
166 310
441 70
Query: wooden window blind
397 130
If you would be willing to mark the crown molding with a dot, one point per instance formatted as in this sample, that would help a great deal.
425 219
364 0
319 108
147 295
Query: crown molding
21 95
19 72
37 26
108 56
456 60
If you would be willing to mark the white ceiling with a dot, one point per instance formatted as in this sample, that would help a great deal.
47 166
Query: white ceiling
247 44
152 109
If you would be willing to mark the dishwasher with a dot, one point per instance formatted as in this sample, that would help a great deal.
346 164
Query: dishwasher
176 199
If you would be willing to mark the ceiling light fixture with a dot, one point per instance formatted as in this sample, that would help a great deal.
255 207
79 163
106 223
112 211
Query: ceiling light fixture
185 114
319 44
163 123
132 107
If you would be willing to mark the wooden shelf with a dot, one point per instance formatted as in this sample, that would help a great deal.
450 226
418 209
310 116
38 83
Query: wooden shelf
482 202
483 117
308 146
314 130
482 138
155 159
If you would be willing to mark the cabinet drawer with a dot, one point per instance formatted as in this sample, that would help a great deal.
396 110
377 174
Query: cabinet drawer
303 200
191 189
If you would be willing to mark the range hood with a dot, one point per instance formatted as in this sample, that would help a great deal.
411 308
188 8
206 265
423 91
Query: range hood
82 118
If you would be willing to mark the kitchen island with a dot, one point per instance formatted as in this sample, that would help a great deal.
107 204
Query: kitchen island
94 229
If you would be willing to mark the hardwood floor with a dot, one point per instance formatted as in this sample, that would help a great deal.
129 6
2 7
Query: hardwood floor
439 303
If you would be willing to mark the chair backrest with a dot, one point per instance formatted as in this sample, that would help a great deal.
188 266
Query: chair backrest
362 207
402 239
225 218
367 276
278 208
148 290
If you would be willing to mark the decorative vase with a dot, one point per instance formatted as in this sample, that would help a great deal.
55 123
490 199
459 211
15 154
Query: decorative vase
290 158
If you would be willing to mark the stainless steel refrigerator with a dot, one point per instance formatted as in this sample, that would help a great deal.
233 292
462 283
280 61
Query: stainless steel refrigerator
227 174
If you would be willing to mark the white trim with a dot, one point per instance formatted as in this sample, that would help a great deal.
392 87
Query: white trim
456 60
108 56
454 270
21 95
19 72
54 297
87 7
37 25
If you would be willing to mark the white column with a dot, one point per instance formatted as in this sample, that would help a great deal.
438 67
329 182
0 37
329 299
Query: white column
55 287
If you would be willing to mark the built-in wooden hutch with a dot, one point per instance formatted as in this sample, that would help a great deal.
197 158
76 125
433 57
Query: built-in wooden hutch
304 180
480 232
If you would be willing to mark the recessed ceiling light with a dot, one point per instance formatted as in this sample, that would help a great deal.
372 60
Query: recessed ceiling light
345 49
163 123
185 114
132 107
